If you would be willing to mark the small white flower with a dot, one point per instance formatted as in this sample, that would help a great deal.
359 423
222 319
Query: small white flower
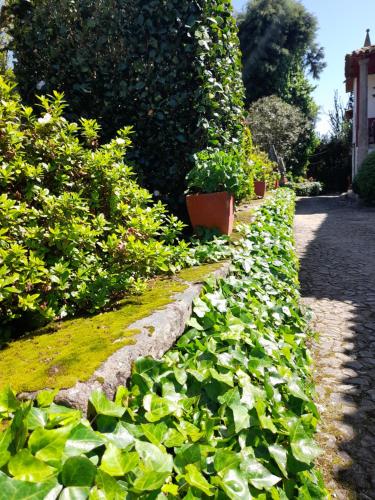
120 141
156 193
40 85
45 119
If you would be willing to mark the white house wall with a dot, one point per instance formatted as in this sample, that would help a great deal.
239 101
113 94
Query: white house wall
371 96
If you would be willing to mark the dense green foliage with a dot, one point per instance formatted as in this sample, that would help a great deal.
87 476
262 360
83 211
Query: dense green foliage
307 188
264 169
278 46
75 228
274 122
226 414
364 181
171 69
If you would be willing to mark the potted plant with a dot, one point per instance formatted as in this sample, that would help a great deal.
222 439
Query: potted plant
216 179
263 172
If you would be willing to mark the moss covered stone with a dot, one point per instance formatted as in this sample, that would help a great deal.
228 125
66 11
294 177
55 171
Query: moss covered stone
59 356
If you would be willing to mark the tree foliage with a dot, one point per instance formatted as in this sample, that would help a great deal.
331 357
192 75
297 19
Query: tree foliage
171 69
279 48
276 123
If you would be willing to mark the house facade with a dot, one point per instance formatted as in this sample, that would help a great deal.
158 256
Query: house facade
360 81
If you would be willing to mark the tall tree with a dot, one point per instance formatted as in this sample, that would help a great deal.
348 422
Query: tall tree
279 50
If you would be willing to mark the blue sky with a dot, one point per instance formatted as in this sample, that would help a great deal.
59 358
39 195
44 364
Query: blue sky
343 25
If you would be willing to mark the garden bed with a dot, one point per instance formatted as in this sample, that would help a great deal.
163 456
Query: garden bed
226 413
80 355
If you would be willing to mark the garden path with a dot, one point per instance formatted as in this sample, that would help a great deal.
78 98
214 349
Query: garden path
336 243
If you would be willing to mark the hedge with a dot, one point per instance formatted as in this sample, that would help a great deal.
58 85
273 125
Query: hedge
171 69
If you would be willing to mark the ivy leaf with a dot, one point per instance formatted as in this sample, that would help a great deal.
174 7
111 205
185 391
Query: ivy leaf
26 467
78 471
304 448
235 485
82 439
150 480
153 458
8 401
157 407
103 406
116 462
12 489
196 479
109 486
258 475
75 493
280 455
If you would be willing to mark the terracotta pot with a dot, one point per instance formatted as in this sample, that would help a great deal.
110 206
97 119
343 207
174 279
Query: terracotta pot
213 211
260 188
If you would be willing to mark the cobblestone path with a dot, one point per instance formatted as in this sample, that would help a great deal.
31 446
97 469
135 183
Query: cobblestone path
336 243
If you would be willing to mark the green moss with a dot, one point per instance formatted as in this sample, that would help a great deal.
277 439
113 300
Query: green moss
245 216
67 352
199 273
70 351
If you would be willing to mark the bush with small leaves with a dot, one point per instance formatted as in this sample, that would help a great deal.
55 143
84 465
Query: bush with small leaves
76 230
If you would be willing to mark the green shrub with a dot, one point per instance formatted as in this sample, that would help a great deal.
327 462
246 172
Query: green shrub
76 230
171 69
227 413
364 181
307 188
263 168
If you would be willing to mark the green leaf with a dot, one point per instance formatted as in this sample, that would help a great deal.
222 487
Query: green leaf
120 437
45 398
150 480
82 439
157 408
12 489
296 391
196 479
304 449
155 433
8 401
153 458
36 418
235 485
257 474
48 445
78 471
75 493
226 459
5 440
103 406
26 467
280 455
116 462
109 486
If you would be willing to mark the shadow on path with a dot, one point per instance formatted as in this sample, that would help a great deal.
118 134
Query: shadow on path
336 243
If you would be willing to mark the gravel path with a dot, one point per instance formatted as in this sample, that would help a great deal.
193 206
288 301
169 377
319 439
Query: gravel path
336 243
